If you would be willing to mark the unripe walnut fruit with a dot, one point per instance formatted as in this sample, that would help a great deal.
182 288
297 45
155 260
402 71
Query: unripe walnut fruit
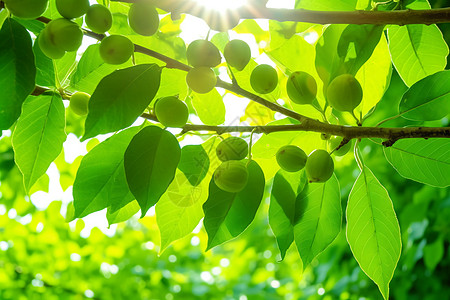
301 88
26 9
264 79
232 148
291 158
171 111
48 47
79 103
334 142
71 9
231 176
98 18
201 53
201 79
116 49
65 34
319 166
143 18
237 54
344 93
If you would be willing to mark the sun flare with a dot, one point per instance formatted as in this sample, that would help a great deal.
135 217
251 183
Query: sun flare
221 4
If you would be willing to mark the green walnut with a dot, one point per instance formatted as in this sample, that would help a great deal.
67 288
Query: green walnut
79 103
264 79
65 34
71 9
201 53
26 9
222 21
116 49
98 18
301 88
319 166
143 18
237 53
231 176
344 93
171 111
201 79
334 142
232 148
48 47
291 158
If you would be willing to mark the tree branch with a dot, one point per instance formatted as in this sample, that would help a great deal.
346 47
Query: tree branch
398 17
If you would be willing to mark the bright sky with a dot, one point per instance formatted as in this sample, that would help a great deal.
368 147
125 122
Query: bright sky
192 28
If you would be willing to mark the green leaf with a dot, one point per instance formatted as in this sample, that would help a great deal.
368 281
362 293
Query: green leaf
17 70
39 136
100 181
338 5
194 163
373 232
120 98
180 210
285 207
357 44
209 107
425 161
433 253
320 219
417 51
123 213
45 74
91 69
151 160
427 99
228 214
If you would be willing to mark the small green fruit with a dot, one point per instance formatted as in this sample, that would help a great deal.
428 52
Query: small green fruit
222 20
71 9
26 9
319 166
171 111
264 79
143 18
232 148
79 103
344 93
201 79
334 142
47 46
301 88
98 18
231 176
201 53
291 158
237 54
116 49
65 34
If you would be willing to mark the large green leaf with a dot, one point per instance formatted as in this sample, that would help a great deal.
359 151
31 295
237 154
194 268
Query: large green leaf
320 218
373 232
285 207
228 214
428 99
123 213
39 136
91 69
100 181
425 161
151 160
194 163
417 51
17 71
357 44
179 210
209 107
120 98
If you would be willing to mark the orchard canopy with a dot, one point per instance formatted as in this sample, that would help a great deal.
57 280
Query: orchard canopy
231 149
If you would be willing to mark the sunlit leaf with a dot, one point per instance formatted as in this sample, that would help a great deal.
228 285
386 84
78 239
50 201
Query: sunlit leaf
209 107
39 136
425 161
123 213
151 160
373 232
194 163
